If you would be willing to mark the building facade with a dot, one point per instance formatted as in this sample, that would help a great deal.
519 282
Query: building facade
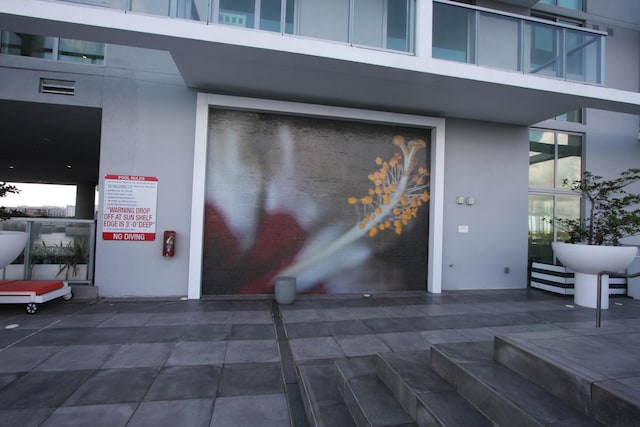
357 145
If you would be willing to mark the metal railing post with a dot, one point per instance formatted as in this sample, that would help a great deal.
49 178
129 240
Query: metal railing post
599 297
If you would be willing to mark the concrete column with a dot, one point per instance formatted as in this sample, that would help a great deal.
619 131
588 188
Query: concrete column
85 200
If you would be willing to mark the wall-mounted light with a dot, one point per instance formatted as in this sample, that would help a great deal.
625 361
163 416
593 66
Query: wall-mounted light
470 201
460 200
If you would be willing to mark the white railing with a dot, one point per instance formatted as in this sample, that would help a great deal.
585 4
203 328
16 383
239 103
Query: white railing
489 38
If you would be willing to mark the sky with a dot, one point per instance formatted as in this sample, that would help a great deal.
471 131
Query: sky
40 195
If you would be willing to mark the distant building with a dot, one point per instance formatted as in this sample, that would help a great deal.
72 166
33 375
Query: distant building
46 211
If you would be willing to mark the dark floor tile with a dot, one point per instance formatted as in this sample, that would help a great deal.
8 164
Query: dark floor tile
206 332
308 329
389 325
250 378
23 359
74 357
269 410
257 331
107 336
12 336
41 389
6 379
348 327
185 382
113 386
113 415
24 417
65 336
176 413
149 334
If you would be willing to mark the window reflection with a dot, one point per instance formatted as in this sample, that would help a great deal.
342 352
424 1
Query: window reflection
81 51
22 44
540 227
553 157
541 159
569 158
67 50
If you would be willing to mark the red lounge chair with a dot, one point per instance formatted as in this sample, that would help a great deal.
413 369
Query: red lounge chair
32 292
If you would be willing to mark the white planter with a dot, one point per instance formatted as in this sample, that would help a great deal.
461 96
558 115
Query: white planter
11 244
589 260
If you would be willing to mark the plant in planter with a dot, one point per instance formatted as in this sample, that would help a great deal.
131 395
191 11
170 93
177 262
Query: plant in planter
75 254
612 213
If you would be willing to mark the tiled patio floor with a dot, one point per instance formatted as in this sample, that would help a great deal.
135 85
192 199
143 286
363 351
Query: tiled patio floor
228 362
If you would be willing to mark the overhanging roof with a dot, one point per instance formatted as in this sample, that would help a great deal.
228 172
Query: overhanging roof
243 62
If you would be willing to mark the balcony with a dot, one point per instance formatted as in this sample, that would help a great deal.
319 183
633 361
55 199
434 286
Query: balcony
300 66
510 42
381 25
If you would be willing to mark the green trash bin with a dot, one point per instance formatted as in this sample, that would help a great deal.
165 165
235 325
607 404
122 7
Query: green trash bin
285 290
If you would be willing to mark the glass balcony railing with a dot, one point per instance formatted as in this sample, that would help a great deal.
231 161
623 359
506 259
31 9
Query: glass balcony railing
387 25
487 38
56 249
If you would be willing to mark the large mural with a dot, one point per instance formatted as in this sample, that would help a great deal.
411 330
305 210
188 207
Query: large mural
342 206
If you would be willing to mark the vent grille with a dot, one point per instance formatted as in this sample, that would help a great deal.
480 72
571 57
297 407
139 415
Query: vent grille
58 87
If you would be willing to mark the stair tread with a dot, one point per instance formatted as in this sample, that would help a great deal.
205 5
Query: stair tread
437 401
323 402
480 377
369 400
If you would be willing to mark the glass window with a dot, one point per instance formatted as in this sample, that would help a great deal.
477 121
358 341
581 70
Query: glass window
569 4
22 44
152 7
452 30
574 116
368 19
262 14
498 41
399 25
240 13
543 49
270 12
541 159
540 227
195 10
289 14
553 158
81 51
386 24
51 48
569 164
543 208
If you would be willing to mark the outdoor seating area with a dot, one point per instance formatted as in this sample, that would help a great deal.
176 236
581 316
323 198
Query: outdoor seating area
238 362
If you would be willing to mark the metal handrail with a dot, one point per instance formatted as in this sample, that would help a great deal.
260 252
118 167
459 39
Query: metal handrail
599 297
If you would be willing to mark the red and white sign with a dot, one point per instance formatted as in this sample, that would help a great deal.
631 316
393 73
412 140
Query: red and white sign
129 211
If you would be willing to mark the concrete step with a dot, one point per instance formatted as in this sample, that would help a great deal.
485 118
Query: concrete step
322 400
504 396
596 371
369 401
423 394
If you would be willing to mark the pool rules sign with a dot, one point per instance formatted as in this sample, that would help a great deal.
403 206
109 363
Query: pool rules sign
129 208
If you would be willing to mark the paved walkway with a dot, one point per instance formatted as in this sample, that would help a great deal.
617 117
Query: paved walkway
231 362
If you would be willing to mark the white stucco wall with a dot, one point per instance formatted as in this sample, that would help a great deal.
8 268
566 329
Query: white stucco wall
488 162
147 129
